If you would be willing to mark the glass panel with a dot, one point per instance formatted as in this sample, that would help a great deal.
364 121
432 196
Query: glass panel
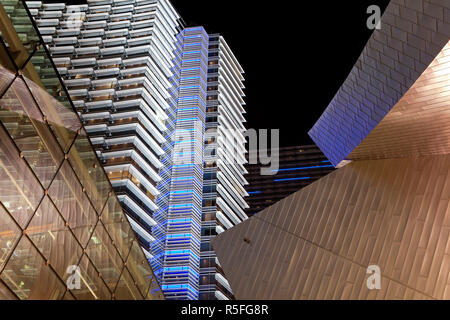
104 256
5 294
20 192
126 289
51 98
40 70
91 174
54 240
9 235
68 196
27 275
139 268
5 59
6 77
155 292
92 286
117 226
68 296
21 33
25 124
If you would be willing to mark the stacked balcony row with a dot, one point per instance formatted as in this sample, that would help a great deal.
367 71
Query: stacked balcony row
115 58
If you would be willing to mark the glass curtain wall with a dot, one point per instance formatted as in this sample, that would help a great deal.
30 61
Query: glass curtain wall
59 216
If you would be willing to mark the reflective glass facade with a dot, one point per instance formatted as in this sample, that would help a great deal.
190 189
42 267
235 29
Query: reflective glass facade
58 211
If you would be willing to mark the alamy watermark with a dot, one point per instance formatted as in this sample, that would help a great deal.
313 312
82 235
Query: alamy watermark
228 145
374 280
374 21
74 280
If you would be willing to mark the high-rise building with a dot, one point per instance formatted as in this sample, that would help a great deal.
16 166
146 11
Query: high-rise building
163 106
298 168
379 226
177 249
223 188
63 234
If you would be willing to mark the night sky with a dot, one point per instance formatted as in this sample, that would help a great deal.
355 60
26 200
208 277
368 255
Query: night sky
296 54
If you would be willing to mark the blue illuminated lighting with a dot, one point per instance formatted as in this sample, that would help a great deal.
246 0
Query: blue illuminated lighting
175 236
192 52
176 250
191 69
179 252
192 44
183 178
175 286
303 168
189 87
190 78
255 192
190 119
189 109
184 141
182 192
188 98
192 60
181 206
292 179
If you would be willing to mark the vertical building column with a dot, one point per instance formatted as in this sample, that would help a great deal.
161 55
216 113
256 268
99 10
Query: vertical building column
180 233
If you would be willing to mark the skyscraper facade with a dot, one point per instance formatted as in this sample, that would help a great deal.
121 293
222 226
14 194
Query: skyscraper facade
116 59
163 106
177 248
223 189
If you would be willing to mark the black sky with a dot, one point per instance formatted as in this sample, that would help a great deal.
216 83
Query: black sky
295 56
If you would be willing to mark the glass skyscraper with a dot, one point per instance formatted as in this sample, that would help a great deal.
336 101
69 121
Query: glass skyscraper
163 106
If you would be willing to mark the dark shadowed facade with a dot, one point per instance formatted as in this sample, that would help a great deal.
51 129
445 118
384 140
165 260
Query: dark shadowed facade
298 167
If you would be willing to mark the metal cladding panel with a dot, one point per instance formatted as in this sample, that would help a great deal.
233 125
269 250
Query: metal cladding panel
419 124
412 34
318 243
